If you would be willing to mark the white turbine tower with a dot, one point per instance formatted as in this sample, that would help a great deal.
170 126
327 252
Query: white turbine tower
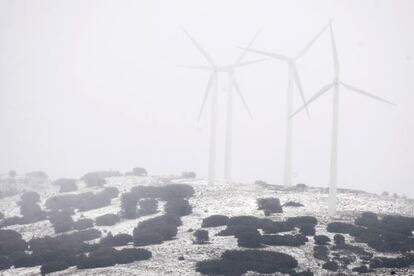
335 84
293 78
212 87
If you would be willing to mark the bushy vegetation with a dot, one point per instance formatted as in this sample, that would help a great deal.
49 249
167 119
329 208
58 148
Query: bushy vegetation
331 266
269 205
307 230
148 206
53 267
61 220
234 262
321 239
30 209
178 207
66 185
284 240
83 224
201 236
41 175
11 242
83 201
129 203
164 192
293 204
117 240
321 252
249 238
156 230
107 220
138 171
214 221
188 175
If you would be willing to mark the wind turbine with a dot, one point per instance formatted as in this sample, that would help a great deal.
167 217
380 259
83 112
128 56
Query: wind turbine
335 84
211 88
293 78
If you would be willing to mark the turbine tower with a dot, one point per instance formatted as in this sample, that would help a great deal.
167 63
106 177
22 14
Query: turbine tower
335 84
293 79
212 88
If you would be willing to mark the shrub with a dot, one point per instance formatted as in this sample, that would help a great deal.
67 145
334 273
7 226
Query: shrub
384 262
31 212
61 221
102 257
121 239
293 204
234 262
321 239
201 236
38 174
244 220
53 267
5 263
9 235
188 175
362 269
12 221
29 197
164 192
178 207
234 230
307 230
214 221
155 230
339 239
1 215
302 220
9 246
110 192
271 204
93 180
83 224
139 171
331 266
148 206
342 228
249 239
129 255
284 240
107 220
273 227
129 203
84 201
321 252
66 185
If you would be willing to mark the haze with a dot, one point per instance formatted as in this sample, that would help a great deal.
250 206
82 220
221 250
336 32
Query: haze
90 85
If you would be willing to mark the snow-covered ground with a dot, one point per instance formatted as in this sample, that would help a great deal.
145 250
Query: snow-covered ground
220 198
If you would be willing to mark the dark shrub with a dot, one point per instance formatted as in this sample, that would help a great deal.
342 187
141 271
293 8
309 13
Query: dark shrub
53 266
8 247
384 262
110 192
83 202
107 220
273 227
201 236
321 239
367 219
129 203
178 207
9 235
249 239
307 230
61 221
234 230
5 263
121 239
148 206
138 171
85 235
31 212
271 204
188 175
164 192
293 204
302 220
342 228
129 255
321 252
93 180
339 239
30 197
67 189
12 221
83 224
155 230
102 257
1 215
66 185
21 259
362 269
235 262
285 240
38 174
214 221
244 220
146 237
331 266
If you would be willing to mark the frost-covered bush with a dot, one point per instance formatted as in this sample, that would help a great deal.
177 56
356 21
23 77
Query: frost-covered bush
178 207
61 220
201 236
148 206
270 205
284 240
321 252
82 224
249 238
321 239
129 203
66 185
214 221
307 230
107 220
155 230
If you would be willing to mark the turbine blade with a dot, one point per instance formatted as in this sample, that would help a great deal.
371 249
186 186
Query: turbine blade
244 52
309 45
299 85
362 92
322 91
334 51
201 49
197 67
236 85
241 64
206 93
269 54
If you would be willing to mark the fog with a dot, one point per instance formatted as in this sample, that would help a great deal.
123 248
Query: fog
89 85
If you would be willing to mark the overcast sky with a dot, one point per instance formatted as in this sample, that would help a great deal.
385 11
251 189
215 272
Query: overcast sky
89 85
